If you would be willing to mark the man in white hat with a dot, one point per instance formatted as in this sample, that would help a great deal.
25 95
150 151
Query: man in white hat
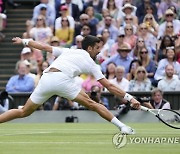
169 17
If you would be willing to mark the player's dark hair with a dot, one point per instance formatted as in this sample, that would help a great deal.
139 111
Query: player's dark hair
89 40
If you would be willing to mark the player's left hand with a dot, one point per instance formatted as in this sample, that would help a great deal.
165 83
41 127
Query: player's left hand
17 40
135 104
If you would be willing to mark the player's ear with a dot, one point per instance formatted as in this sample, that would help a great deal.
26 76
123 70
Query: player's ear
89 48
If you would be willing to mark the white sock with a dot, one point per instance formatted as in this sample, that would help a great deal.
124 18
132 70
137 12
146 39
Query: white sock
117 123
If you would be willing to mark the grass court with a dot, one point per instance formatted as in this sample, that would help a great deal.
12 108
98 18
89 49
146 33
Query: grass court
81 138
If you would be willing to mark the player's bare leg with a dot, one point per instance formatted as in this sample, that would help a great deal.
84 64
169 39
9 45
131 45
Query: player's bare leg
84 99
27 110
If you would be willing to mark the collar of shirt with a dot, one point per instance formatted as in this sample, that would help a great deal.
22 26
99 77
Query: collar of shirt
157 105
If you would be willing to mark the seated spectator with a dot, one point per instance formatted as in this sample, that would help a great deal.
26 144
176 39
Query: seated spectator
171 59
169 17
149 39
161 51
26 54
128 19
157 101
163 6
96 95
130 38
107 42
109 25
148 63
127 9
84 20
170 31
41 68
3 21
132 69
78 42
169 82
41 32
89 82
73 9
120 80
92 19
31 74
64 13
50 12
151 23
96 4
140 81
119 41
86 30
141 9
110 71
65 33
20 82
121 58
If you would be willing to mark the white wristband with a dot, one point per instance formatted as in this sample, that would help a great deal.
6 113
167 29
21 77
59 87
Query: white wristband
25 41
128 97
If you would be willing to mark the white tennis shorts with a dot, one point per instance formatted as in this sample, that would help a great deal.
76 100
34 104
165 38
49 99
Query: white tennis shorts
55 83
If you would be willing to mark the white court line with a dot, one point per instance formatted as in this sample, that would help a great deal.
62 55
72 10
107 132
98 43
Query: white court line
56 142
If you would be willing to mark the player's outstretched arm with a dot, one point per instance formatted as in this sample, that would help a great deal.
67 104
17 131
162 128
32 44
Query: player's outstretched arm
119 92
33 44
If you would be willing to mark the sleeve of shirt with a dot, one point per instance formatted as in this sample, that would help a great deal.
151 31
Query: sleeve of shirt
10 85
96 71
56 51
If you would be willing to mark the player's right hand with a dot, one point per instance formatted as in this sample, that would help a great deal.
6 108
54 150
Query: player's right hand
135 104
17 40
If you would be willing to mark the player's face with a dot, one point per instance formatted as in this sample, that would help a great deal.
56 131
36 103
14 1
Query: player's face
95 50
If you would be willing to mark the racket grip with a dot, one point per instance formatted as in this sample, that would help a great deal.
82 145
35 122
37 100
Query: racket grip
144 108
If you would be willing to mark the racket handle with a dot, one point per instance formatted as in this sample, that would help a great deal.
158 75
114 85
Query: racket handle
144 108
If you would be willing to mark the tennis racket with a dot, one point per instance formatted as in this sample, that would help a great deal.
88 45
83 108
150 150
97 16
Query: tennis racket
169 117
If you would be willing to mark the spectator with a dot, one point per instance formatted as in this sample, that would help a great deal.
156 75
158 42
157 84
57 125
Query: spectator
96 4
128 19
41 32
164 5
50 11
63 11
171 59
132 69
110 71
89 82
148 63
169 17
79 3
108 25
157 101
107 42
73 9
161 52
120 80
84 20
118 43
78 42
21 82
151 23
91 13
121 58
169 82
149 39
127 9
130 38
26 54
170 31
141 9
65 33
140 81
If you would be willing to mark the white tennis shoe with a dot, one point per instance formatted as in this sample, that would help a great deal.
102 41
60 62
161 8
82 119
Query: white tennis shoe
127 130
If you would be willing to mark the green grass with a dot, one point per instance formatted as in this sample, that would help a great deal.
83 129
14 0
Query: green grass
80 138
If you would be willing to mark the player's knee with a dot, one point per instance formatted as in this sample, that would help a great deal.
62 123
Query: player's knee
91 105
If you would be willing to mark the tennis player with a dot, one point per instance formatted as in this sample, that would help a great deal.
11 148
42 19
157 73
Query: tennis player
58 79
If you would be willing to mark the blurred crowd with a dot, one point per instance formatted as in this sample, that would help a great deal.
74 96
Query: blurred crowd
140 42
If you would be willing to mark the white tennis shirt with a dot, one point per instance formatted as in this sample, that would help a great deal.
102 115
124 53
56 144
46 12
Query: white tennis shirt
74 62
